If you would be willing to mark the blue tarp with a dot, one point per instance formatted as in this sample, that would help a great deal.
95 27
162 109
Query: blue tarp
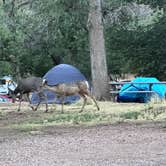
62 73
160 90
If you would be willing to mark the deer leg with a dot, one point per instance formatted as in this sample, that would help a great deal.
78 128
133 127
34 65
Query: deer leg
45 98
41 94
19 103
35 109
62 101
29 102
93 98
85 100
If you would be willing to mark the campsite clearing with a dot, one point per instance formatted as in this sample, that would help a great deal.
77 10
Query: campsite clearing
120 134
110 113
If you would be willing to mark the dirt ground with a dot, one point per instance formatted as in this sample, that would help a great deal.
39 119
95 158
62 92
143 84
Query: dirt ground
124 144
109 145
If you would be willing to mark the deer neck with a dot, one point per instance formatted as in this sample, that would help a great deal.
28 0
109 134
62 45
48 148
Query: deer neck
52 88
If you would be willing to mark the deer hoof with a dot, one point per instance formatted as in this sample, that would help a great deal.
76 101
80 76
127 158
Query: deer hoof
46 111
80 111
34 109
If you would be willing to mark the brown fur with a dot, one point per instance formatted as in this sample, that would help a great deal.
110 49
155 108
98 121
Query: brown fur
26 86
79 88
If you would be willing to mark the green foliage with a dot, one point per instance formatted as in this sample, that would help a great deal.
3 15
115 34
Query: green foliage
35 33
150 51
144 51
63 32
139 47
5 69
153 3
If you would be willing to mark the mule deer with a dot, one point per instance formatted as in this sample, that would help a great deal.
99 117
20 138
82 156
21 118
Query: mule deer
26 86
67 89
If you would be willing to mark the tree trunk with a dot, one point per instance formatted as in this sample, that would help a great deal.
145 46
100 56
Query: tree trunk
97 51
18 74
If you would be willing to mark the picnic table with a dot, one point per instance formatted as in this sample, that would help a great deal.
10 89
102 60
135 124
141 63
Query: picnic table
115 87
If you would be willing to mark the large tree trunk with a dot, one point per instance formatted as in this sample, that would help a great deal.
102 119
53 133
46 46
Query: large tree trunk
97 51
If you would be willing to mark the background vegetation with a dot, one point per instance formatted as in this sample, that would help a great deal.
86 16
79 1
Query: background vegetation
34 34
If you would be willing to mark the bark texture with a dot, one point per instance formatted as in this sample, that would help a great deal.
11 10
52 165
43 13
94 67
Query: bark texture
97 51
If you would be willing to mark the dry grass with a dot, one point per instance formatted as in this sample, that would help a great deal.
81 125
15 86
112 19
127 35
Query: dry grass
110 112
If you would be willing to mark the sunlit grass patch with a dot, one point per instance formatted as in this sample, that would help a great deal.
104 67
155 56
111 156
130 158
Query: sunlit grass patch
56 119
26 127
131 115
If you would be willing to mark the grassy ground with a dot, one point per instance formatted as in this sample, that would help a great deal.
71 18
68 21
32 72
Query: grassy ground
27 120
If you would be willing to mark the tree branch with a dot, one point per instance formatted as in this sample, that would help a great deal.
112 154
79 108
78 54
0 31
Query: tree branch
9 58
22 4
11 13
28 2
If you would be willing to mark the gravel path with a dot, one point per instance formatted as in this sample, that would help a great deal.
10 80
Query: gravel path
111 145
